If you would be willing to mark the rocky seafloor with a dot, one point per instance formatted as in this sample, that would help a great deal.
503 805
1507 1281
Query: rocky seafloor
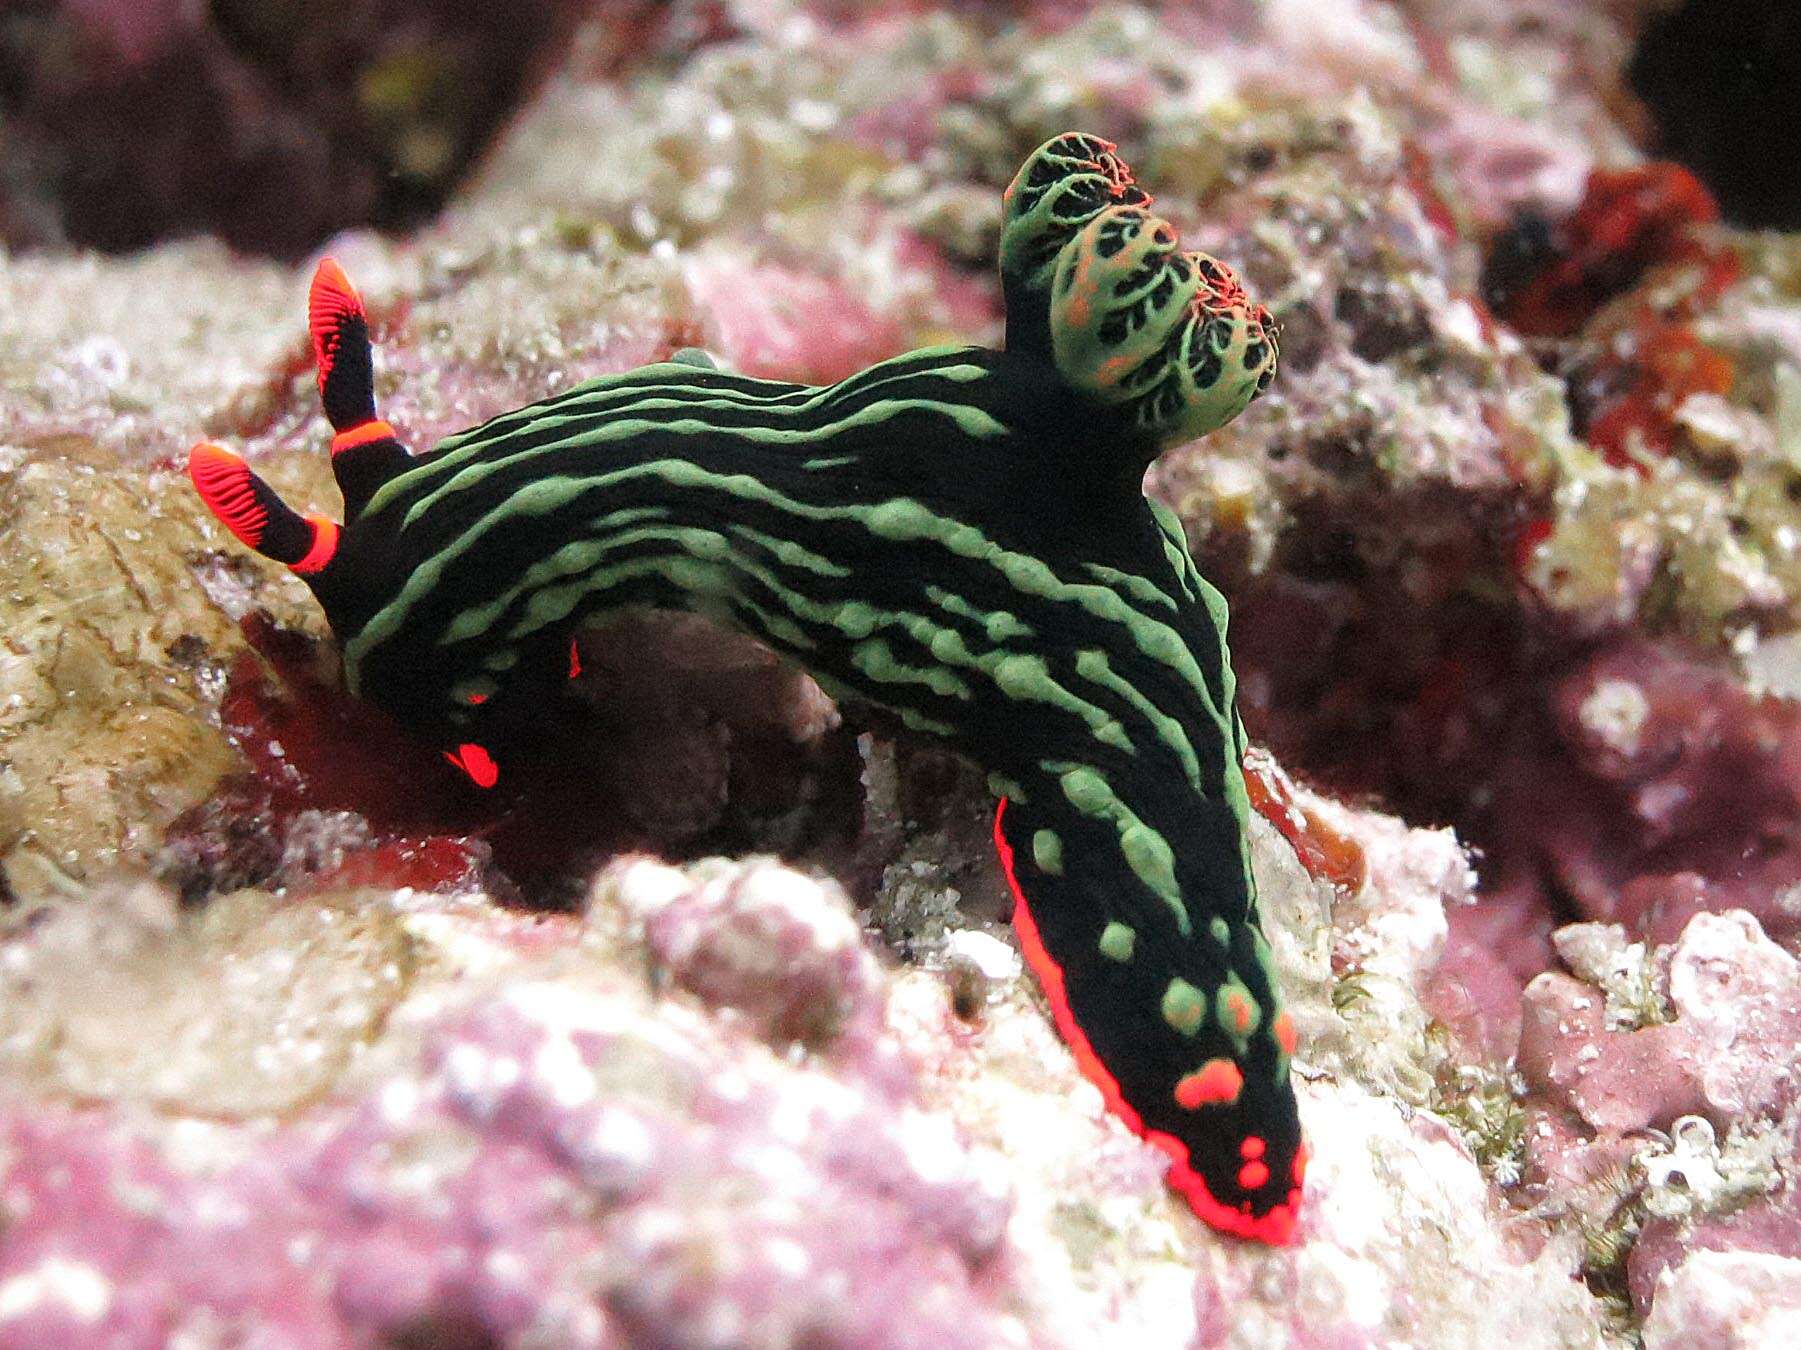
305 1042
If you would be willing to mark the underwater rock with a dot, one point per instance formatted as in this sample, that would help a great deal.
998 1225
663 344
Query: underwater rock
1733 1300
1737 1197
1666 788
107 669
1661 1095
248 1008
534 1133
1639 1037
546 1163
84 360
1402 1198
759 939
1739 994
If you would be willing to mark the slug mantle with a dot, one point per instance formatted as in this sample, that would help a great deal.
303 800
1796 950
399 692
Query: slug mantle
957 535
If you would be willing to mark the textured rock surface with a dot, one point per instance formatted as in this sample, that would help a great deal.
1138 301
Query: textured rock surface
251 1007
1728 1299
104 678
281 1056
476 1123
1717 1011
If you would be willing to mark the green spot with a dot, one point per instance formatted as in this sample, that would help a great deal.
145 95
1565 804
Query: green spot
1026 677
1088 792
1146 852
1184 1006
1141 589
1236 1011
947 645
876 659
1117 942
1047 852
997 624
1000 785
779 627
786 551
857 619
1221 930
1092 665
914 720
1154 861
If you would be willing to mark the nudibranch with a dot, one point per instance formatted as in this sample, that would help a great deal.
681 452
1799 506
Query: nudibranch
959 536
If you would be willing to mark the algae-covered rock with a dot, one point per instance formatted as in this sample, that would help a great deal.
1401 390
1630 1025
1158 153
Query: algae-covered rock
249 1007
109 662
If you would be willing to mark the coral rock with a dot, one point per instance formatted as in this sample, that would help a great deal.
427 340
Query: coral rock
1732 1300
758 938
1739 995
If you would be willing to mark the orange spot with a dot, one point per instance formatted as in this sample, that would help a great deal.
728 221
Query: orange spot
476 700
575 659
368 432
1251 1146
1300 1165
1252 1175
1216 1082
1239 1007
1112 369
1125 184
475 761
1283 1029
324 549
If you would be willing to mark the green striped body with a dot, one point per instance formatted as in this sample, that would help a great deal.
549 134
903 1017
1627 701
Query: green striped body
957 536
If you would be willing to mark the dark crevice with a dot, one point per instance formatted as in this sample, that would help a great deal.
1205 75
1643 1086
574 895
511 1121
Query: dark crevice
1721 78
272 123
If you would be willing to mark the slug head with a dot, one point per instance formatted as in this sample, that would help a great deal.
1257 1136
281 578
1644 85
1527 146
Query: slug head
1167 337
1061 187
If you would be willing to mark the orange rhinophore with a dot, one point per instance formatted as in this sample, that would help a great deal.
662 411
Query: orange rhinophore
249 508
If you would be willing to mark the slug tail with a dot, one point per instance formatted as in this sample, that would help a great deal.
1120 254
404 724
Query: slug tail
1234 1157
